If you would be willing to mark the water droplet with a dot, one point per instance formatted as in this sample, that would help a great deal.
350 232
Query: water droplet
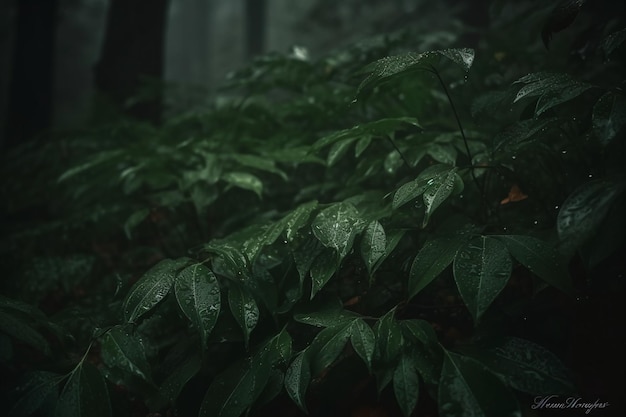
590 175
564 151
556 207
536 222
514 157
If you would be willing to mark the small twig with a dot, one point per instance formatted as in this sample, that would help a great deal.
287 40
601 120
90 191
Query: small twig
399 151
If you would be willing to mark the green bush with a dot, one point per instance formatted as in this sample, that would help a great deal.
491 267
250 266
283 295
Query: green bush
377 215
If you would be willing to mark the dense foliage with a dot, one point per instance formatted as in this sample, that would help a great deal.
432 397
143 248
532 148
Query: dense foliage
383 218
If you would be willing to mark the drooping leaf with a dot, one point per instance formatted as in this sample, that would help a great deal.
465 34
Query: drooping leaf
298 218
609 116
392 66
561 17
327 346
432 260
466 388
122 350
325 313
389 340
230 262
244 181
481 270
336 227
324 266
437 192
583 211
85 394
151 289
406 385
421 331
363 341
613 42
338 150
16 327
175 382
244 309
198 294
412 189
257 162
373 244
525 366
551 88
540 258
512 139
35 389
297 379
305 252
378 128
273 388
134 220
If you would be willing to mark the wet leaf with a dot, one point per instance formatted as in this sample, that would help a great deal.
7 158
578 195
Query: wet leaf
298 218
363 341
481 270
561 17
85 394
526 366
437 192
336 227
322 269
244 309
327 346
198 294
432 260
297 379
609 116
373 244
389 341
406 385
378 128
551 88
125 351
466 388
541 258
412 189
150 289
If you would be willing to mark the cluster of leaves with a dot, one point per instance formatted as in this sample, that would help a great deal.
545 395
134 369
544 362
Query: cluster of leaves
311 218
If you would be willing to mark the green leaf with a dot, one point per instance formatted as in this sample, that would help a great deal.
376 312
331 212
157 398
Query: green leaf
305 252
102 157
373 244
412 189
244 181
198 294
337 150
437 192
522 133
336 227
384 69
481 270
406 385
231 261
432 260
327 346
526 367
297 379
378 128
260 163
298 218
175 382
150 289
389 341
466 388
363 341
583 211
325 315
134 220
124 351
552 89
85 394
613 42
420 330
609 116
34 391
19 329
324 266
540 258
244 309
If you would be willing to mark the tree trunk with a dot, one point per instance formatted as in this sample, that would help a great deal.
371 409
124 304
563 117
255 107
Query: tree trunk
30 94
132 54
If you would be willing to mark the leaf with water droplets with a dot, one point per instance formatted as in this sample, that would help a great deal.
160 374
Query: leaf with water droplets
437 192
363 341
337 226
85 394
324 313
541 258
389 340
151 288
525 366
295 220
432 260
244 181
461 56
551 88
122 350
297 379
231 262
373 244
481 270
244 309
198 295
412 189
406 384
467 389
584 210
609 117
522 133
322 269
